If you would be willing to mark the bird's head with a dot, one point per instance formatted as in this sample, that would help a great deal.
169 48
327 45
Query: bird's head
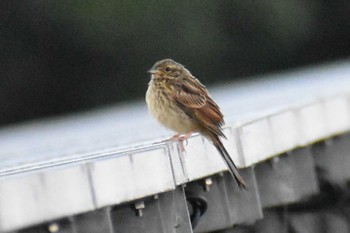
166 68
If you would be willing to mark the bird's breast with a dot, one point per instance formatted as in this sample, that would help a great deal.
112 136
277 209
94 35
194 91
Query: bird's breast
166 111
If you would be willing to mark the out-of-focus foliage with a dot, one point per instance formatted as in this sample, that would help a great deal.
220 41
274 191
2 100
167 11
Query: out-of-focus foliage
59 56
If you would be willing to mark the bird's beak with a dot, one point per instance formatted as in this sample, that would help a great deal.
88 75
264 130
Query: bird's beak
152 70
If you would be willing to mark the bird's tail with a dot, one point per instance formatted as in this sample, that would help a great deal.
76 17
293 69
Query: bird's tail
228 160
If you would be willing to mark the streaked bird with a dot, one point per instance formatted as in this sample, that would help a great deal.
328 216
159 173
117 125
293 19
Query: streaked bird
180 102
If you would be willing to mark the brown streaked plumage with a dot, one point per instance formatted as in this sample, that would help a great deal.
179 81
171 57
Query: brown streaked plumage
180 102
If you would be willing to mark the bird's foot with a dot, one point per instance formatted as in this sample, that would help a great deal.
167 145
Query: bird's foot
173 138
179 138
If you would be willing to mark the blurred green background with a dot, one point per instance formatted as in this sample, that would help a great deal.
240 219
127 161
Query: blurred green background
64 56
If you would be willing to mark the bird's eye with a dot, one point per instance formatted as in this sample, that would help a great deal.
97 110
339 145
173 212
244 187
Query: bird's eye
167 69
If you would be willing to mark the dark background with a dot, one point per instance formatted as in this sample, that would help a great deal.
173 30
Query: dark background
63 56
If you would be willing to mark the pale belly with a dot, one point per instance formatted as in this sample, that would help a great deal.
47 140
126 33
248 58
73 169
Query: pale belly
168 113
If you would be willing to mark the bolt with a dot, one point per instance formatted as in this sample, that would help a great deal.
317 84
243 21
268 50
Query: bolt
53 227
139 206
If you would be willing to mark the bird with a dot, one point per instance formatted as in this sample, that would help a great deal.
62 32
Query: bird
180 102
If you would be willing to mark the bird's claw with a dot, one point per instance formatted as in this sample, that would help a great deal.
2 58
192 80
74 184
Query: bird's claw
180 139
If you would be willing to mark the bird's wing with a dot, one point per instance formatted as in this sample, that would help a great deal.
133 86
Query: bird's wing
193 98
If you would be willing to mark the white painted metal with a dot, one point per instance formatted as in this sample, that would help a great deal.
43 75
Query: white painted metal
135 175
285 131
36 197
337 114
257 142
68 165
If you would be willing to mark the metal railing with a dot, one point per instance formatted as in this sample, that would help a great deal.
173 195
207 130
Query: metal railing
107 166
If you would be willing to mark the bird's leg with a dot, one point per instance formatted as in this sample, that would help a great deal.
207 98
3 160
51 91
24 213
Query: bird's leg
179 139
185 137
173 138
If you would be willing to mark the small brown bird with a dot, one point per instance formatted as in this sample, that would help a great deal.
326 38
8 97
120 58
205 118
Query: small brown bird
180 102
